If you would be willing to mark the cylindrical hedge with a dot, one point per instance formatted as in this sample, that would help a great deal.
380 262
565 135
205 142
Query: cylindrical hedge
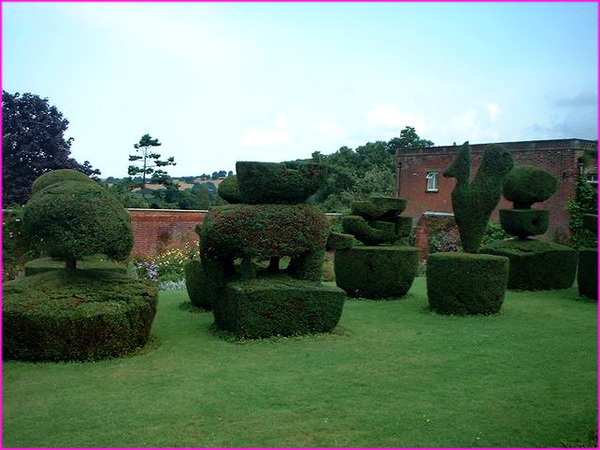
524 222
587 274
466 283
201 291
376 272
536 264
76 315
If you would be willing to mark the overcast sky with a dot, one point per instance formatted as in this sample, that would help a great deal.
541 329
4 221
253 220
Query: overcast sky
222 82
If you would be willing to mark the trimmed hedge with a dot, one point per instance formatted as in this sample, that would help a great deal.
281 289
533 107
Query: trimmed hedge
524 222
340 241
590 222
473 202
369 234
262 182
94 262
264 232
74 219
201 291
465 283
280 305
229 191
376 272
58 176
525 185
535 264
76 315
378 207
587 275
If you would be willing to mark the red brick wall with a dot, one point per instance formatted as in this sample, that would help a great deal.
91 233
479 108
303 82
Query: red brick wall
559 157
158 229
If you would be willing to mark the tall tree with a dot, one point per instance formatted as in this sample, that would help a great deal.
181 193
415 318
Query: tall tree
148 160
33 143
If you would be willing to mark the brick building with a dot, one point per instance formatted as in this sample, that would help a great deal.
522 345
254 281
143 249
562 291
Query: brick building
419 177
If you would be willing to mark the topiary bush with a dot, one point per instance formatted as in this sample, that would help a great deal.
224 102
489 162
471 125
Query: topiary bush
201 291
94 262
524 222
535 264
229 190
376 272
73 219
464 283
58 176
280 183
587 275
76 315
525 185
474 201
263 232
263 307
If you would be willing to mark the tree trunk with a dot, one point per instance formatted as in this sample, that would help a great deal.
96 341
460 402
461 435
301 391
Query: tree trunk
70 263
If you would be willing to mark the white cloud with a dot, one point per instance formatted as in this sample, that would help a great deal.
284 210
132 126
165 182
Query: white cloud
272 133
494 111
330 127
465 121
388 117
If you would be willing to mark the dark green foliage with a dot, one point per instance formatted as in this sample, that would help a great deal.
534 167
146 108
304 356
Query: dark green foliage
525 185
264 307
58 176
379 207
33 142
584 202
261 182
94 262
263 232
465 283
229 191
366 233
74 219
473 202
340 241
524 222
403 226
590 222
376 272
75 315
587 275
536 265
148 160
201 291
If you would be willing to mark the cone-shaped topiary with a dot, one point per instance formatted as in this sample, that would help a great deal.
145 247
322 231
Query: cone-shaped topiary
73 219
229 191
525 185
473 202
58 176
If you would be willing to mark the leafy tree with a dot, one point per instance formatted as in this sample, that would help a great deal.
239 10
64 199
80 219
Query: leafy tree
148 159
408 139
33 143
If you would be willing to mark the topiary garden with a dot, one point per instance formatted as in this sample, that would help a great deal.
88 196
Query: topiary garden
80 311
242 245
466 282
534 264
373 270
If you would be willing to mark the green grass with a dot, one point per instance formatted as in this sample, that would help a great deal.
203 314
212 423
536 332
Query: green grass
391 375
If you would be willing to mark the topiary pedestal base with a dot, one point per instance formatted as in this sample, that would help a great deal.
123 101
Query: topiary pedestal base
587 275
376 272
279 305
76 315
466 283
94 262
536 265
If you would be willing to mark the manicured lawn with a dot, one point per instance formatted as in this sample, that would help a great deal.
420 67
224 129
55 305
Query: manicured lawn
392 375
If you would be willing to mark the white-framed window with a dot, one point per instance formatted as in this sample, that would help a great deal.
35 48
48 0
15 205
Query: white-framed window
592 178
432 181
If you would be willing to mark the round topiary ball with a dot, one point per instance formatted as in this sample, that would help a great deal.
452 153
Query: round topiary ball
526 185
58 176
228 190
74 219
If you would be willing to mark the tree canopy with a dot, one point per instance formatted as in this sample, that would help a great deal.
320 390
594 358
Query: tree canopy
33 142
148 160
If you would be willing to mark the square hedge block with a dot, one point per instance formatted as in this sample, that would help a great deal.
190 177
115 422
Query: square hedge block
280 305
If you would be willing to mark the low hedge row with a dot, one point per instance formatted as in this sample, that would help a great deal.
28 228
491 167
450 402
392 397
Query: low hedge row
279 305
376 272
466 283
76 315
535 264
